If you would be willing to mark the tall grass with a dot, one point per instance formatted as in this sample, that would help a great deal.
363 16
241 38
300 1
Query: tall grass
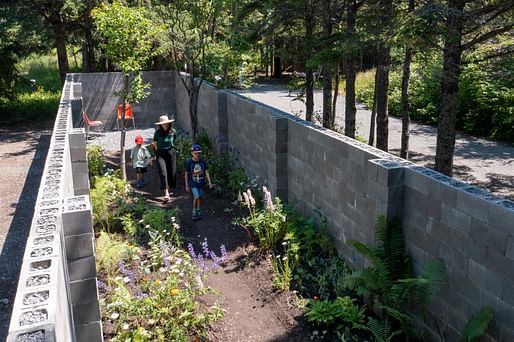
40 101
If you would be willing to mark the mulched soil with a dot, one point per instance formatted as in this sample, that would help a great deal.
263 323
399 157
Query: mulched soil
243 287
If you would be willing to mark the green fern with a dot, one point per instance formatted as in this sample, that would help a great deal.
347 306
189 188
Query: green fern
477 324
388 281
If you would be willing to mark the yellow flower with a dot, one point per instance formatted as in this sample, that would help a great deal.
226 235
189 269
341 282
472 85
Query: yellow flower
174 292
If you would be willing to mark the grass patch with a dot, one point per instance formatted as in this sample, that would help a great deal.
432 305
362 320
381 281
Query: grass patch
39 101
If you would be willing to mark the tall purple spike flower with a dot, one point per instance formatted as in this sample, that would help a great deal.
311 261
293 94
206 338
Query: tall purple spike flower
191 250
224 255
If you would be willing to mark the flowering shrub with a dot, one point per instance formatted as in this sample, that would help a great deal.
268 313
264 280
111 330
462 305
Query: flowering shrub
267 223
145 305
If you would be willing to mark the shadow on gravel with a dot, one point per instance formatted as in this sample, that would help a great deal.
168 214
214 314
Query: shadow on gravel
14 246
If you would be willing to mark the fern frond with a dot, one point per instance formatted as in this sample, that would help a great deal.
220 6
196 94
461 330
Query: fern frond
435 272
477 324
367 251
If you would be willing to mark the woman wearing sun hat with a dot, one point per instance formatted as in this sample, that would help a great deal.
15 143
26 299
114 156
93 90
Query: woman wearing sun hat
163 145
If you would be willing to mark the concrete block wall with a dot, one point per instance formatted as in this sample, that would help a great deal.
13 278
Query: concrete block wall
470 229
45 306
352 184
100 102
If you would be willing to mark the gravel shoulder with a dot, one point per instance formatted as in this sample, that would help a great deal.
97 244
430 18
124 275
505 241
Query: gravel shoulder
22 156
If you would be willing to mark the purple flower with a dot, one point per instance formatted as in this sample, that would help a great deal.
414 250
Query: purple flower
215 260
141 295
205 248
223 253
102 286
191 250
125 271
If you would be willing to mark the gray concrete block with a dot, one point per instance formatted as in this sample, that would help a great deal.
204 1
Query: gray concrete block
83 268
508 292
83 291
473 205
501 217
79 246
499 264
453 259
80 184
461 283
466 245
416 181
84 313
484 234
91 332
77 222
506 333
484 278
44 333
456 219
510 248
78 154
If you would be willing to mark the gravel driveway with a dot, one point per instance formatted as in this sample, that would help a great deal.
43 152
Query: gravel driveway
477 161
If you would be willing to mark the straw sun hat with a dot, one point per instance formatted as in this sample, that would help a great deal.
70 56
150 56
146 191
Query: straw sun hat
163 119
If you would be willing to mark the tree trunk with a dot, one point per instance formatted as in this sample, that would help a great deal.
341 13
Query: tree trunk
90 44
371 140
327 68
60 44
123 132
450 88
334 100
309 76
384 62
350 111
404 149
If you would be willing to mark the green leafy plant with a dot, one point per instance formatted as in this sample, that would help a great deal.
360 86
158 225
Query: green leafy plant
389 281
341 310
267 223
109 194
163 221
95 161
110 249
477 324
284 265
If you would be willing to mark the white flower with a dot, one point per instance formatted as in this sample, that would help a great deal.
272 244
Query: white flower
126 326
181 274
126 280
284 243
173 219
284 258
115 315
162 269
117 289
151 321
118 278
147 226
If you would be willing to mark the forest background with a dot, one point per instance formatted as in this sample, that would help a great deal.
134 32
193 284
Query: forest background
447 63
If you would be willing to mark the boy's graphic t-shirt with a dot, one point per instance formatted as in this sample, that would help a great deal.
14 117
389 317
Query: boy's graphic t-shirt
196 171
140 156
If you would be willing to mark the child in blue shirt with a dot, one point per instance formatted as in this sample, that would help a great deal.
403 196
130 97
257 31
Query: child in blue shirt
195 176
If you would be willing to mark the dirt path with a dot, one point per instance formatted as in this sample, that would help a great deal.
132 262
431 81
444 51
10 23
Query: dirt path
254 312
22 156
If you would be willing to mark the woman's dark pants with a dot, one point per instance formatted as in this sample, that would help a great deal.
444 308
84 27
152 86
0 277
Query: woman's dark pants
167 166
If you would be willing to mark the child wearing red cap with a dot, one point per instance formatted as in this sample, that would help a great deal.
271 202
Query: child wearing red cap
141 158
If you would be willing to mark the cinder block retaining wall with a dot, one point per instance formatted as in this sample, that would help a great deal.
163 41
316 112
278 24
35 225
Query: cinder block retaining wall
57 296
352 184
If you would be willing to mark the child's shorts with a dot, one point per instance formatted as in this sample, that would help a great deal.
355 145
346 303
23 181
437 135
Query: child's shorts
197 192
141 169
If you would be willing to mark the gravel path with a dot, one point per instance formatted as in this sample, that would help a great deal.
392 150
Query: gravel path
477 161
22 155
